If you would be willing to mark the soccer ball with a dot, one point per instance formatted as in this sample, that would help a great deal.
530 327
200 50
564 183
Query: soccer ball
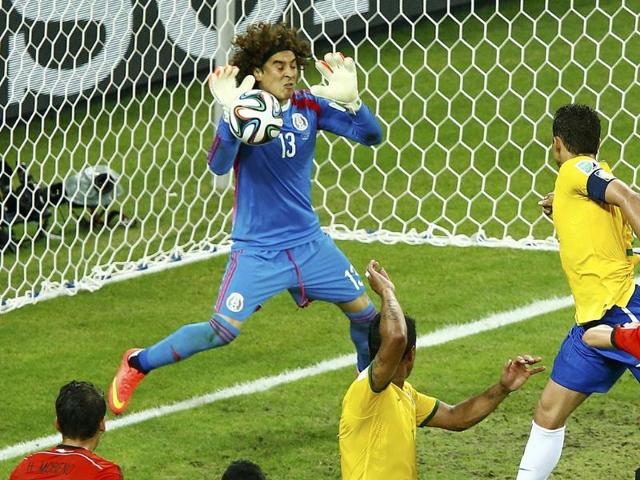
255 117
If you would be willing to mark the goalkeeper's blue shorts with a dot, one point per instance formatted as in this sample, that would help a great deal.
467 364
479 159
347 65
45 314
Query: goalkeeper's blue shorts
317 270
585 369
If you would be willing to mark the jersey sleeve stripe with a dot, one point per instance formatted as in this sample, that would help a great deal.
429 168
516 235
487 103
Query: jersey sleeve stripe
213 149
370 377
302 102
236 178
431 415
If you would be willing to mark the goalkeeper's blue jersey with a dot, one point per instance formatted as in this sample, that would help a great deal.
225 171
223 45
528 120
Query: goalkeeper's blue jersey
272 205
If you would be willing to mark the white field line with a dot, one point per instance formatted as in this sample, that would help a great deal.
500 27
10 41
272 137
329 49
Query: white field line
438 337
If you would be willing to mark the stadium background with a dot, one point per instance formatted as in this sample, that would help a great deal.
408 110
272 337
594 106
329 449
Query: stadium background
291 430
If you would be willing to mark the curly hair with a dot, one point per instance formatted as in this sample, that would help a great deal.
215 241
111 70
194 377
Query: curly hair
261 41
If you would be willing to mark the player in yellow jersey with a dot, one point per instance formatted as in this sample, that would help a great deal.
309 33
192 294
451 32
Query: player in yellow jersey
381 411
594 214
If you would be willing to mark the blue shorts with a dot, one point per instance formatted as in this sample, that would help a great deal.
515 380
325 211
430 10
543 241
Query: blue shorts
317 270
585 369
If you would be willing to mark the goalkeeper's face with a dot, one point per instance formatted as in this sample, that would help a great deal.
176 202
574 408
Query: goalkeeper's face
278 75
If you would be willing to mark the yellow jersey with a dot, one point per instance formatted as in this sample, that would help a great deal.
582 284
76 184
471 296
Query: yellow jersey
378 430
595 241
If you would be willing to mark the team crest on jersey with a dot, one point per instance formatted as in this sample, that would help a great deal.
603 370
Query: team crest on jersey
299 121
235 302
587 166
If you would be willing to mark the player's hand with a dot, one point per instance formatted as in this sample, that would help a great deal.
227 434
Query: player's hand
340 80
516 372
547 204
222 83
378 278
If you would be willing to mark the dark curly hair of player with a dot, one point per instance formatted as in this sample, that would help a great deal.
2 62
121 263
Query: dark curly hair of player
261 41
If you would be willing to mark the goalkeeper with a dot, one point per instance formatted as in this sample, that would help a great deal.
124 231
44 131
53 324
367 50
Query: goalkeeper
277 241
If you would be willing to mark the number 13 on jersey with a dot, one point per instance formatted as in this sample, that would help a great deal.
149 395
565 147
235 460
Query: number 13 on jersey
288 144
352 275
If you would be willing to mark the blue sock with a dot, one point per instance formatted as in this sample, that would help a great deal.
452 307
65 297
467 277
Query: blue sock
186 341
359 330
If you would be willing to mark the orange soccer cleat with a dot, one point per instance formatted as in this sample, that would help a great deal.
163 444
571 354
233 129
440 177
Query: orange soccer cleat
124 383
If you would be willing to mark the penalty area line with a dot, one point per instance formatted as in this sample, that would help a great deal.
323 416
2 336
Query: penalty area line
437 337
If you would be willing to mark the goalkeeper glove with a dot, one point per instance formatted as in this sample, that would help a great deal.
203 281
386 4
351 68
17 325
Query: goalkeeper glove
341 80
222 83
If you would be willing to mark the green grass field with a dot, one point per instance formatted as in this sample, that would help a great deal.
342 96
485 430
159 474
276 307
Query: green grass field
291 430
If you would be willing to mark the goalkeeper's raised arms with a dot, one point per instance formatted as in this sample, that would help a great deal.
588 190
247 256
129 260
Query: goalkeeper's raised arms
340 80
222 83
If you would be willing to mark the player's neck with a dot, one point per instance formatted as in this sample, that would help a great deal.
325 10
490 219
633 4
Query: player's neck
565 156
88 444
284 104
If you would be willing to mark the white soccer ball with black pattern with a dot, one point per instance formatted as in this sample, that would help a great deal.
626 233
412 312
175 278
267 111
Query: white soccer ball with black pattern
256 117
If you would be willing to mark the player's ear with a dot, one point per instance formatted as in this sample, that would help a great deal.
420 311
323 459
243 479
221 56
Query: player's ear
410 356
56 424
257 72
102 427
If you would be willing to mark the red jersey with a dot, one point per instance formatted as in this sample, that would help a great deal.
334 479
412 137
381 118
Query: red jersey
65 462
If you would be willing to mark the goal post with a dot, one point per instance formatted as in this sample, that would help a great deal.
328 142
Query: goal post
465 92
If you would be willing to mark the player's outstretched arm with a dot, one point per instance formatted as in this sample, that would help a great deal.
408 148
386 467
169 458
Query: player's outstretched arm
599 337
393 329
623 337
223 150
345 115
473 410
618 193
223 85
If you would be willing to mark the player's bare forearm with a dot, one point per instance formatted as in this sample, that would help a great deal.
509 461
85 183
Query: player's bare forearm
393 341
618 193
475 409
515 373
392 322
392 328
598 336
631 211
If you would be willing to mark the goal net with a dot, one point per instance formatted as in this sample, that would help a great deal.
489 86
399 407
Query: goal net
111 93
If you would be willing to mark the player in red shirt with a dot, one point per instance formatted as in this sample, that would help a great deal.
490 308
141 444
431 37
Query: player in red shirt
80 410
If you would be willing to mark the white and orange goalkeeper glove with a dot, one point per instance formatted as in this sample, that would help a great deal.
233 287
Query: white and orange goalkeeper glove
340 80
222 83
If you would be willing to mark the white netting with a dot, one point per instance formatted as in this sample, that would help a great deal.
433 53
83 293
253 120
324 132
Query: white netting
465 96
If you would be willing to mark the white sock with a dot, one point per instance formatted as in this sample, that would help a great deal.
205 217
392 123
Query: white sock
541 454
